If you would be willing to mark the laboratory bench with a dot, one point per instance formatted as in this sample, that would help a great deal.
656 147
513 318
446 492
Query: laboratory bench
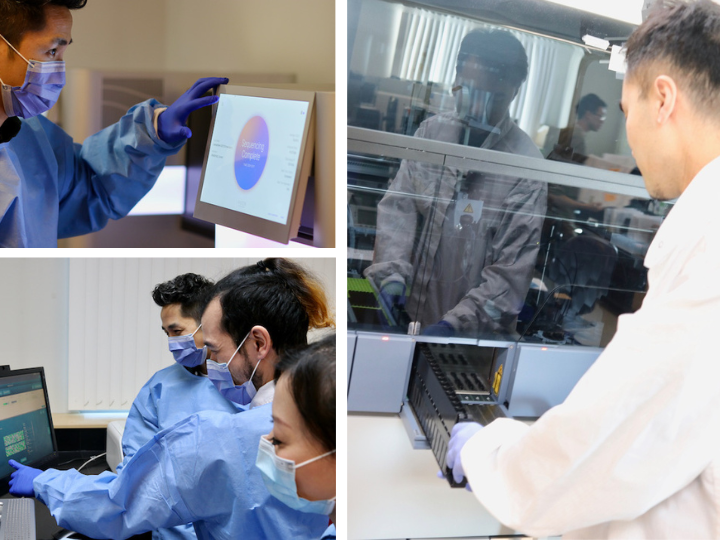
394 491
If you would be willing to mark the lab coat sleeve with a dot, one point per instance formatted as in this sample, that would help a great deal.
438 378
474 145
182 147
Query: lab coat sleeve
494 304
110 172
638 427
105 506
150 493
397 219
141 425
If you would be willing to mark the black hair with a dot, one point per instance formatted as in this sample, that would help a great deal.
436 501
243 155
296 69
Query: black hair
17 17
187 290
277 294
589 103
498 50
686 38
311 374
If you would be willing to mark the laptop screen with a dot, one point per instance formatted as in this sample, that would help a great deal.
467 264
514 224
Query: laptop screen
26 432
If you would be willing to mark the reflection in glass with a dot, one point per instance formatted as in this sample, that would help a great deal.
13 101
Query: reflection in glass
469 268
402 71
442 248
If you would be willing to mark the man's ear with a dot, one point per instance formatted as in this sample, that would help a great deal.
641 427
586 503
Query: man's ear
262 341
664 92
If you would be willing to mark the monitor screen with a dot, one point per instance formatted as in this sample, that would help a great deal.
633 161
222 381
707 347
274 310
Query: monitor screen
254 160
254 153
25 425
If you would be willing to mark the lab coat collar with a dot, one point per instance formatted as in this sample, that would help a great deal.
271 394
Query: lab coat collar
264 395
689 216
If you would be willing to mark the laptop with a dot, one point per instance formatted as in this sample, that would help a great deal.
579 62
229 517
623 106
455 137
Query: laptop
26 427
28 437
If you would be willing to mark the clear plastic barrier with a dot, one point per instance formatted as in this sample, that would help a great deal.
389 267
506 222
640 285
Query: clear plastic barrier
472 67
458 225
464 252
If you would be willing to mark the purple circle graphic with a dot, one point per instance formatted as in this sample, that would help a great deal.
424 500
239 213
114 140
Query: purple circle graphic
251 153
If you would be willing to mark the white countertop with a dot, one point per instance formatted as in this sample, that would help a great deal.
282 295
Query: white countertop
393 492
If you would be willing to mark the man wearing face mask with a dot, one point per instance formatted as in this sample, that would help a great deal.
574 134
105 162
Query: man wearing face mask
51 188
457 248
177 391
245 332
202 469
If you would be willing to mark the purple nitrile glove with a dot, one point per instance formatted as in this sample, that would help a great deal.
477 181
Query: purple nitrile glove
394 293
171 122
440 328
460 434
21 481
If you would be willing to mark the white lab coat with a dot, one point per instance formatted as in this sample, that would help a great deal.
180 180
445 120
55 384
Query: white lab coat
634 451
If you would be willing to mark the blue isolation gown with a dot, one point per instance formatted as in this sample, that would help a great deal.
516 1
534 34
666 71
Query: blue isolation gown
202 470
171 394
53 188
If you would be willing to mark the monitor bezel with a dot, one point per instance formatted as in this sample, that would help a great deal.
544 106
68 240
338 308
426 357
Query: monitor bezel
251 224
38 463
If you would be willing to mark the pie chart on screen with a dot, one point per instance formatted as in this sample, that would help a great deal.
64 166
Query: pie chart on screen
251 153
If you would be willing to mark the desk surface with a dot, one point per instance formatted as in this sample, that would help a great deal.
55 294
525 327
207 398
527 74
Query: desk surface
393 492
80 420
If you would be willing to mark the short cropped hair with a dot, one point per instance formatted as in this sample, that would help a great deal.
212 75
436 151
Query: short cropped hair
498 50
17 17
589 103
685 36
188 290
311 374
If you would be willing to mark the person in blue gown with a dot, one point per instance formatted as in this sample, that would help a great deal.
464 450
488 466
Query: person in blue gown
181 389
51 187
202 469
297 458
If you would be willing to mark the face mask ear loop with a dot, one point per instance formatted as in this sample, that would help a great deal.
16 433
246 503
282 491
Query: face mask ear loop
236 350
14 49
315 459
254 370
196 331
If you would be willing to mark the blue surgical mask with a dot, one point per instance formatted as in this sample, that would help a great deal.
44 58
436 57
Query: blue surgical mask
220 376
279 477
39 92
185 351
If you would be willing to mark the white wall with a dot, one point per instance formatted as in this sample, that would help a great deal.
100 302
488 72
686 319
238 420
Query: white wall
33 319
272 36
34 313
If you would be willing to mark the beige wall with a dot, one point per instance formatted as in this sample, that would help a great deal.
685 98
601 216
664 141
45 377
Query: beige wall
287 36
281 36
119 35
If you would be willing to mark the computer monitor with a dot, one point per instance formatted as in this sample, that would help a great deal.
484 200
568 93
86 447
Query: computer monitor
258 160
26 427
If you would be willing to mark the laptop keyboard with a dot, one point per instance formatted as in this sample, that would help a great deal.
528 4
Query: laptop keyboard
17 519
